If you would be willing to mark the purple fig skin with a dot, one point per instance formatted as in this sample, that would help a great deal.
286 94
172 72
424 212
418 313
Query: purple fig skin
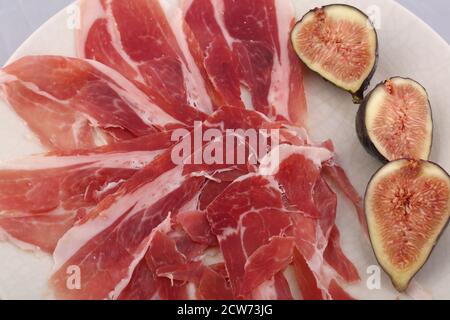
361 126
357 96
437 239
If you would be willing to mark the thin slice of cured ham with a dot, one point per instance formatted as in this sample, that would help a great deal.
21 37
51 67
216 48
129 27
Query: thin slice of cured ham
145 42
41 197
244 218
213 285
306 280
255 35
197 227
267 261
78 104
336 258
145 284
320 262
340 178
214 56
172 269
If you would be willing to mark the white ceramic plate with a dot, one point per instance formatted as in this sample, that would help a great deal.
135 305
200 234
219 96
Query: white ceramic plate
408 47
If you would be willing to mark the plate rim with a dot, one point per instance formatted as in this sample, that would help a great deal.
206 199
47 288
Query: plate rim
417 19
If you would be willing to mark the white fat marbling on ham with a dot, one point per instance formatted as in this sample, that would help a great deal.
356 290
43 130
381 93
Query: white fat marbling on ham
133 160
278 95
270 163
219 7
76 237
92 10
6 237
195 85
8 78
164 227
266 291
149 112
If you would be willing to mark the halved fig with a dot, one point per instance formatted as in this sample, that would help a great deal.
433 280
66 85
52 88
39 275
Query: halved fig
407 207
395 121
339 42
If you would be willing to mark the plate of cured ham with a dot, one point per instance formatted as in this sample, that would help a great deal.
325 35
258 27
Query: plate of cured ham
93 204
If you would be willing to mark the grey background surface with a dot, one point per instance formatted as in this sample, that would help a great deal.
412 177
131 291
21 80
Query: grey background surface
19 18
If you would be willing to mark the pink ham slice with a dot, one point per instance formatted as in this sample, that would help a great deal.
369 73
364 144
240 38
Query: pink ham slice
214 56
323 262
254 28
146 285
177 271
171 263
197 227
162 253
146 44
336 258
340 178
306 280
214 285
78 104
41 197
320 261
256 35
267 261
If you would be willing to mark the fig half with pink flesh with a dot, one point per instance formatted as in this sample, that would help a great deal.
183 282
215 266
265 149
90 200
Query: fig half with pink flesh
339 42
407 205
395 121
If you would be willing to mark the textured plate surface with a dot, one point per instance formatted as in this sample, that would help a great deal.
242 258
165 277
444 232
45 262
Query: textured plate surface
408 47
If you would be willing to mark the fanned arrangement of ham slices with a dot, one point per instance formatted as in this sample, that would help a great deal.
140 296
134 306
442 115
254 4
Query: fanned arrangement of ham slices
108 197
